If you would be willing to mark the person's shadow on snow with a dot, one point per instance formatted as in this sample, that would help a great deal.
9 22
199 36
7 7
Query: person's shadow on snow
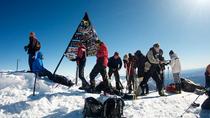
62 113
15 107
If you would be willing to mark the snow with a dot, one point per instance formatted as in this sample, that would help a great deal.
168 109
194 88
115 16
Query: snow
16 100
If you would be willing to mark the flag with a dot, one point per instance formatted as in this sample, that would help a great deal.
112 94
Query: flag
85 34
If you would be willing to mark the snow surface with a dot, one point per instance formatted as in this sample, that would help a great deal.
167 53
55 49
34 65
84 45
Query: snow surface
16 100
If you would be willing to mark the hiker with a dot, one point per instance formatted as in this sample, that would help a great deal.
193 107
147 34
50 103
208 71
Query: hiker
162 66
206 103
131 72
81 62
38 68
139 64
125 62
207 77
151 70
100 66
31 49
176 69
115 64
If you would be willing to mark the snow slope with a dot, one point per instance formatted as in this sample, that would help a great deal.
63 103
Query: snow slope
16 100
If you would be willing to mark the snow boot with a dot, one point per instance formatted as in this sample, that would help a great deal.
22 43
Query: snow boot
178 88
161 93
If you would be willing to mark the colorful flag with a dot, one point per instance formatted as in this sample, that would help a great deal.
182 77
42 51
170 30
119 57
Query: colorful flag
85 34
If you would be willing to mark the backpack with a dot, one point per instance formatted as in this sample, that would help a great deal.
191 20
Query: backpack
113 108
171 88
92 108
37 46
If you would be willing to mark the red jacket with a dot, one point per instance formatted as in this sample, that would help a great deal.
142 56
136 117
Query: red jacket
81 55
81 51
102 54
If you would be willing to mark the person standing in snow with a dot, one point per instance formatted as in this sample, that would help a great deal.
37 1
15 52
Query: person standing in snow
38 68
176 69
125 62
31 49
100 66
115 64
162 66
139 64
81 62
131 72
151 70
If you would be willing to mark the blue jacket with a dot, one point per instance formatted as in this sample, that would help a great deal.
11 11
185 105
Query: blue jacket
38 64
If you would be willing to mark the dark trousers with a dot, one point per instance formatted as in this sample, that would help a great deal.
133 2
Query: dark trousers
206 104
130 82
55 78
155 76
117 77
81 74
98 68
31 58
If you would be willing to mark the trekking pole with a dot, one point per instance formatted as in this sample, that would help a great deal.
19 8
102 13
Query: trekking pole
34 85
77 74
168 72
189 106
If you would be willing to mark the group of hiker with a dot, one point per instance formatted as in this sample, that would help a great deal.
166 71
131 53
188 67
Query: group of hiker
139 68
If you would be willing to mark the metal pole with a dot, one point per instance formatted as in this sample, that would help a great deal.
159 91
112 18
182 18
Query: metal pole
34 85
17 65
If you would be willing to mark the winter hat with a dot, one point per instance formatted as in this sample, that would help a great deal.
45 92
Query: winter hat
138 52
116 54
156 45
171 52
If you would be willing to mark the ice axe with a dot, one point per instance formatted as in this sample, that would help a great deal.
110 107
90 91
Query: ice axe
193 104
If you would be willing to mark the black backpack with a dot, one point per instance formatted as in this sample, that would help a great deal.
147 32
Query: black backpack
113 108
92 108
37 46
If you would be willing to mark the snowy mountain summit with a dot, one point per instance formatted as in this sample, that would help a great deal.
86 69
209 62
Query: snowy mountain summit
16 100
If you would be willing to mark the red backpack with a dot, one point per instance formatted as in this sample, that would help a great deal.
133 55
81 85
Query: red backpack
171 88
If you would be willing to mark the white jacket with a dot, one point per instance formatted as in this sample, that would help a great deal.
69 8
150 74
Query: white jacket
175 64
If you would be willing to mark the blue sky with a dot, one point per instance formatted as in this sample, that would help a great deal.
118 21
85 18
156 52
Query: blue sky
124 25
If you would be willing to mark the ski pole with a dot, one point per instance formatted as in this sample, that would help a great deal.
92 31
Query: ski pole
35 84
189 106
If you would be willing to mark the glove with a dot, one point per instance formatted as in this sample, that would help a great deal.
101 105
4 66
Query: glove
25 48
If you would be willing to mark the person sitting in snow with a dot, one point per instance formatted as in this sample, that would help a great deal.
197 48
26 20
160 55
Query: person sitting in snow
176 69
151 70
100 66
115 64
38 68
81 61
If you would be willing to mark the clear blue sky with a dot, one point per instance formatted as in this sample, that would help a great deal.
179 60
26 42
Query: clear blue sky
124 25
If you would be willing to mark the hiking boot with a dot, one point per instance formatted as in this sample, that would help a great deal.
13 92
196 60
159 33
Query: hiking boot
161 93
70 84
142 94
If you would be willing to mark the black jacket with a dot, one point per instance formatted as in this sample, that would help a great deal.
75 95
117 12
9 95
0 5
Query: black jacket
207 76
115 63
140 63
31 45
